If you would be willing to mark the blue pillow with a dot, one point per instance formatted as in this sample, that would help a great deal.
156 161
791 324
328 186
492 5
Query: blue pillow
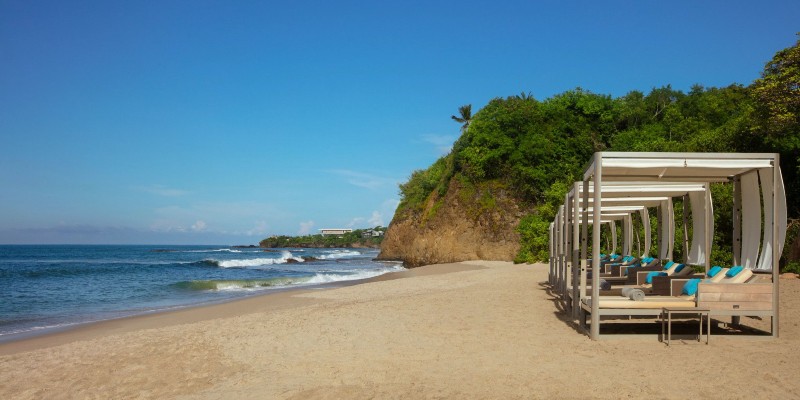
690 288
714 271
650 276
678 268
668 264
734 271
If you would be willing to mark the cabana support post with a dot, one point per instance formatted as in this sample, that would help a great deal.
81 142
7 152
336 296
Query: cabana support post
595 328
576 278
709 220
584 239
776 176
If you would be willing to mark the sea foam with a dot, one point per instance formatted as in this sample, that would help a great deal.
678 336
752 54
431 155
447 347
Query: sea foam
260 284
256 262
339 254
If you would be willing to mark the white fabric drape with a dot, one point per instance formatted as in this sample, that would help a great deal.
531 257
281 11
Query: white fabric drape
765 259
751 220
627 235
780 193
697 250
613 226
647 234
667 233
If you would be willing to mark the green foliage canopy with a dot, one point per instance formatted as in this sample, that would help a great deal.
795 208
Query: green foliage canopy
538 148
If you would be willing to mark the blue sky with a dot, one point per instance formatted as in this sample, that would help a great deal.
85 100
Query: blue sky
216 122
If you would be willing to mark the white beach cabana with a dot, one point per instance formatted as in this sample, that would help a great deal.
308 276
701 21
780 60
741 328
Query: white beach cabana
755 177
625 198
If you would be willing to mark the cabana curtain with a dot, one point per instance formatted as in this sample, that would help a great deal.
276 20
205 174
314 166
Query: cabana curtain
751 219
647 235
697 250
613 227
667 234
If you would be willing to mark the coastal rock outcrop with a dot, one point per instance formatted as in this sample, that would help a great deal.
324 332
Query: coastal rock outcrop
467 223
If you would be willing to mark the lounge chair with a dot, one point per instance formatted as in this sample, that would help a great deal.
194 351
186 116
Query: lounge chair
632 271
736 294
614 268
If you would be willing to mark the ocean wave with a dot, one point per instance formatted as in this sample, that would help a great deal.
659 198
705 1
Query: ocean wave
350 276
256 284
339 254
211 251
284 258
239 284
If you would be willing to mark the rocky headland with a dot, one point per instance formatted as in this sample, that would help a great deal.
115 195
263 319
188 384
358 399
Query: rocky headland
467 223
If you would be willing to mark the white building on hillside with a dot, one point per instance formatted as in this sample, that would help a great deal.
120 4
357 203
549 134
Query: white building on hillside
335 231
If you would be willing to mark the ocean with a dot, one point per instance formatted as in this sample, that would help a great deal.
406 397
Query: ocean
49 287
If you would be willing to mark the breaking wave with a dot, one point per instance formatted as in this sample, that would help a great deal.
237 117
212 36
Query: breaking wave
256 284
285 257
339 254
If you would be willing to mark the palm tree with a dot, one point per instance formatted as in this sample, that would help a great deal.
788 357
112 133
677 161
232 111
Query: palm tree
525 96
465 118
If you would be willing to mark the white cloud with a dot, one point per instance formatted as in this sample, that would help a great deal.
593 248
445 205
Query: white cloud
356 222
260 229
162 190
376 219
305 228
388 207
234 218
443 143
166 225
199 226
364 180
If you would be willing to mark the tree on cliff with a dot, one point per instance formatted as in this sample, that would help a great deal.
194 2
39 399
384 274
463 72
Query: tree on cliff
465 116
536 149
778 96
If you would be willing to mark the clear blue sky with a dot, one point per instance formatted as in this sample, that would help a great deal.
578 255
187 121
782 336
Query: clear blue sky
223 122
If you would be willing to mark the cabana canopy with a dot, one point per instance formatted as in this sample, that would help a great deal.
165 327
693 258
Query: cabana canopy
683 167
620 200
756 177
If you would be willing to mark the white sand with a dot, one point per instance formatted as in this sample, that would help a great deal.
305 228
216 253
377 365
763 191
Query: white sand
478 333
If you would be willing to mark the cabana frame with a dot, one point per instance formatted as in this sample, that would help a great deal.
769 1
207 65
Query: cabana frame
704 168
621 196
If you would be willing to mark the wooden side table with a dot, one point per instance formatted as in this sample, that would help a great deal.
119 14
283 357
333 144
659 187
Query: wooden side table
666 318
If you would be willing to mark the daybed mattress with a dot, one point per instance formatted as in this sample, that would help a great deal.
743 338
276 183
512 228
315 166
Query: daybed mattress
650 302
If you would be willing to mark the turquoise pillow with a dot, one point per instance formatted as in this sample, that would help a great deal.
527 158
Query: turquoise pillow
650 276
714 271
668 264
734 271
690 288
678 268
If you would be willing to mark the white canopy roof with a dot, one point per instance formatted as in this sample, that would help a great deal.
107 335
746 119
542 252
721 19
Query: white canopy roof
686 167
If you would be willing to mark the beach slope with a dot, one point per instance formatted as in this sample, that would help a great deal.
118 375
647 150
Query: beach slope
466 330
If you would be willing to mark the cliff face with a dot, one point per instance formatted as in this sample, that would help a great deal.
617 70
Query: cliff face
468 223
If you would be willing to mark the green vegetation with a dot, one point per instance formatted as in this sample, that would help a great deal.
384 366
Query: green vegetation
356 238
536 149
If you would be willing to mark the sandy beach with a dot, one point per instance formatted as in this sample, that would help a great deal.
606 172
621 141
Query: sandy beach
467 330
